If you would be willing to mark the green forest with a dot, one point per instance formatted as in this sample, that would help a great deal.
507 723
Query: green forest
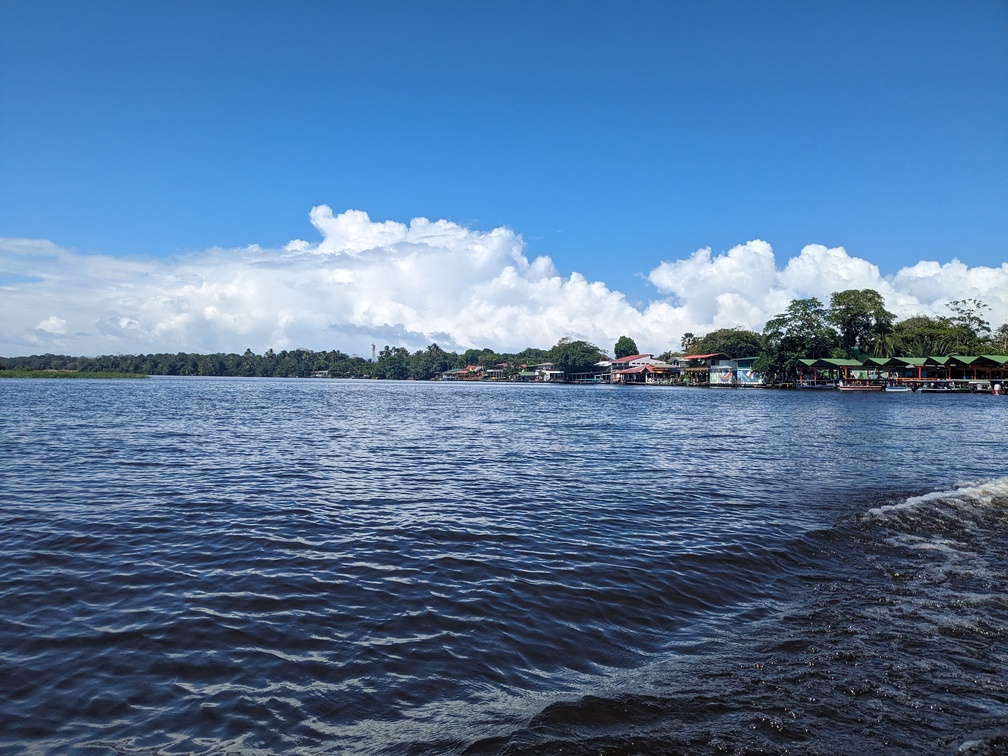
854 324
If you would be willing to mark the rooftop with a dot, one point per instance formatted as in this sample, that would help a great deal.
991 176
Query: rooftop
632 357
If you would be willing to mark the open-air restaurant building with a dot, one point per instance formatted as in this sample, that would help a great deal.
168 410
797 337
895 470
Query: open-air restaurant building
961 372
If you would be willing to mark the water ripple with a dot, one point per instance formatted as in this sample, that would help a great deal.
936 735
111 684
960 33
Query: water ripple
205 566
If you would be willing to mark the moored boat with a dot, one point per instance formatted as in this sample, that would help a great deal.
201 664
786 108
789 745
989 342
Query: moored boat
859 385
945 387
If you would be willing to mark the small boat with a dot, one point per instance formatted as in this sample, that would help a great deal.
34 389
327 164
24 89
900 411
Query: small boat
900 388
945 387
859 385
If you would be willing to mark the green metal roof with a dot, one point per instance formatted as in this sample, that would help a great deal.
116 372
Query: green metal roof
964 361
989 360
881 361
951 359
833 362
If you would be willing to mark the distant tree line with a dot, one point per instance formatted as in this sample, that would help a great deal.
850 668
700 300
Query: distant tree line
294 363
391 362
855 324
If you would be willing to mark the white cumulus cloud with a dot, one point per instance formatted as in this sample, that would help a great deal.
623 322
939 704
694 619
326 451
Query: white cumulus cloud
412 284
54 325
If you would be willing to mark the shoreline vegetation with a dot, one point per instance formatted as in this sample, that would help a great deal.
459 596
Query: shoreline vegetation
52 373
855 326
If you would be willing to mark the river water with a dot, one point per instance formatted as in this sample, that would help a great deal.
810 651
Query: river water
210 565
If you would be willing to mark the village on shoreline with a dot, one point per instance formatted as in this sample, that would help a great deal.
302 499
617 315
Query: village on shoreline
853 344
949 374
946 374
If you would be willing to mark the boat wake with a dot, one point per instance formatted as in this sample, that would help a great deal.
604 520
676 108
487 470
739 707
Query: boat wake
891 634
969 505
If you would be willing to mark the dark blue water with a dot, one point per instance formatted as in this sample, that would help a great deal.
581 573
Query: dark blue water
210 565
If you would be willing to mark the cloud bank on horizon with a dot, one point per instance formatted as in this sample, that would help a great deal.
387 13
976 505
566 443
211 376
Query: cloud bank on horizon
371 282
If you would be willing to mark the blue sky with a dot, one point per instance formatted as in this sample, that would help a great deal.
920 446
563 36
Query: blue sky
610 137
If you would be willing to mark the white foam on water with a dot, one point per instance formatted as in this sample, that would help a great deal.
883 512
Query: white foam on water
967 497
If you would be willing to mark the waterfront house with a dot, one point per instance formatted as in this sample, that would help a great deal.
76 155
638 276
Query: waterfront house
744 373
546 372
650 374
468 373
637 368
696 369
727 372
632 361
641 368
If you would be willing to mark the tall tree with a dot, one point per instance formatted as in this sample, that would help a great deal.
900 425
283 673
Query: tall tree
575 356
923 336
800 332
625 346
999 340
489 358
531 356
735 342
972 327
689 342
884 344
860 317
393 362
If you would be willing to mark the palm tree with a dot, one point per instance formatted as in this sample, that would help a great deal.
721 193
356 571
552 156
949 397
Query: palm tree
884 344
